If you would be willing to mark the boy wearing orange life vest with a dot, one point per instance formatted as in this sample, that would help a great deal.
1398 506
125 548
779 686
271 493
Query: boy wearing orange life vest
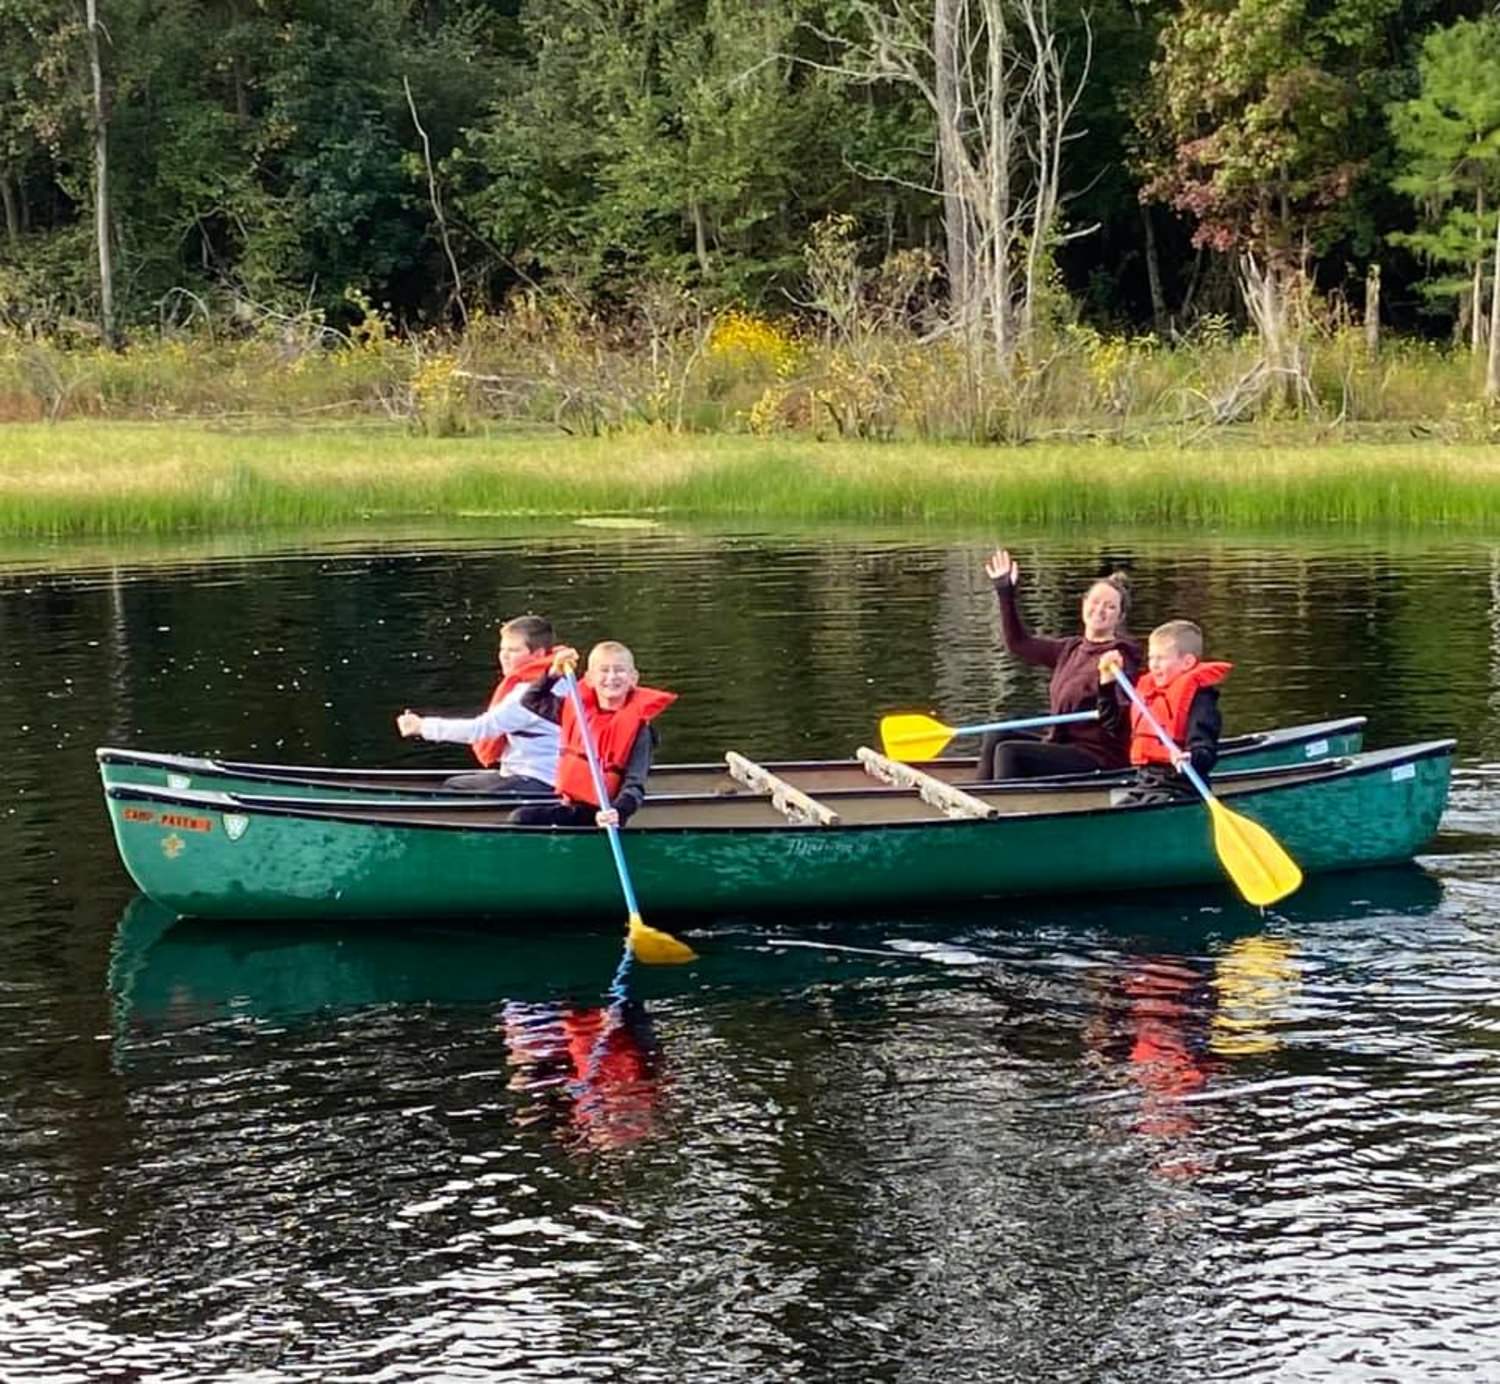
517 748
618 713
1182 693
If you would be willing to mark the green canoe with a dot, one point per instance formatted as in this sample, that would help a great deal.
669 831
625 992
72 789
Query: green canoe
233 856
139 768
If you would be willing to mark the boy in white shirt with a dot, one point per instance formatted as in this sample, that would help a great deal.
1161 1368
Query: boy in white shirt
517 748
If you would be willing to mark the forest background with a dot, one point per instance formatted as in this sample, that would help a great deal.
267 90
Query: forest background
988 220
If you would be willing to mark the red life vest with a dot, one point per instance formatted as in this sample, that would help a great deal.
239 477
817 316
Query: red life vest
613 733
531 668
1170 706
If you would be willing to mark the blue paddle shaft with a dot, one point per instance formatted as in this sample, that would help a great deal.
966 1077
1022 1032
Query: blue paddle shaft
597 774
1029 722
1150 720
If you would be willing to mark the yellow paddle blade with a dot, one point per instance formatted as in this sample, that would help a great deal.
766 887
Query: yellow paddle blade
913 736
1255 860
655 947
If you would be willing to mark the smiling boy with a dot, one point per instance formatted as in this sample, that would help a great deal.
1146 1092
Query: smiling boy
1181 692
618 713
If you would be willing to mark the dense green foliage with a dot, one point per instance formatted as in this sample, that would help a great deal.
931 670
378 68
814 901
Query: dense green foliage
266 160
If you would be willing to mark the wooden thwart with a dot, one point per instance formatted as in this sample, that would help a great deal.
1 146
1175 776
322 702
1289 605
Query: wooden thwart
943 796
793 802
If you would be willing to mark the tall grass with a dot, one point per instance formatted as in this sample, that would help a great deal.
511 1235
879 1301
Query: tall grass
110 478
547 365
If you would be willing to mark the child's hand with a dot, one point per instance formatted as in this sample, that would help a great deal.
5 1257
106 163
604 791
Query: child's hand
607 817
564 659
1179 758
1002 564
1109 665
409 724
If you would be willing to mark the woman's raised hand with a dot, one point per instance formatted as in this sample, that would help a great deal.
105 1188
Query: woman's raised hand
1002 565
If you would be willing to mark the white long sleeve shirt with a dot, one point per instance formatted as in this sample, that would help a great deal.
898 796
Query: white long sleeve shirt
532 742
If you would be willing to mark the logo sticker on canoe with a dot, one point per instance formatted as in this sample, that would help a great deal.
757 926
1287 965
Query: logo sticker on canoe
171 846
1316 748
1403 771
177 782
235 824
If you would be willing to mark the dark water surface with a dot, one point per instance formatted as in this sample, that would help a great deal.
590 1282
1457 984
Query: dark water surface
1152 1138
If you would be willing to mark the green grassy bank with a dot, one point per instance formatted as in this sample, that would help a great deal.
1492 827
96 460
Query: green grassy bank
114 478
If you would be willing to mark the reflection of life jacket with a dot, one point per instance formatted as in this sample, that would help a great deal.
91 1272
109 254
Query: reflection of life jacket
1163 1021
489 751
613 1087
1170 706
613 734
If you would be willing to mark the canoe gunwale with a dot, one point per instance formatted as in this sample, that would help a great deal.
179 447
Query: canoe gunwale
343 778
408 816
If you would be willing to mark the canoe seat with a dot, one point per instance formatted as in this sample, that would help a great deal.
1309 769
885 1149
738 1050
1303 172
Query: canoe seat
792 802
954 802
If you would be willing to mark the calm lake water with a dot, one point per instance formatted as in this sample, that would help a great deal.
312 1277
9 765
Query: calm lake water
1158 1138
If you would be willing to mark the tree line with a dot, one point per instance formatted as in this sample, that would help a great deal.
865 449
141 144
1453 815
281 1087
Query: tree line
1139 165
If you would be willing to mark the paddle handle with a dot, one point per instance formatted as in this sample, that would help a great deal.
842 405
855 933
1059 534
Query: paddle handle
597 774
1187 764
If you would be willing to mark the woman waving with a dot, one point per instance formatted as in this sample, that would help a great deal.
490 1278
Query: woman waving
1082 746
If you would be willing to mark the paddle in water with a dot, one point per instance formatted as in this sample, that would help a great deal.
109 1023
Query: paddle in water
911 736
648 944
1254 859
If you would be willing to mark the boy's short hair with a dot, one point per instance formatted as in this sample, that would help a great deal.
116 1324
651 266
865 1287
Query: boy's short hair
536 630
611 646
1182 635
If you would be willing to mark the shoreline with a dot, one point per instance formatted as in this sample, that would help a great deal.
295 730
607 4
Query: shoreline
76 479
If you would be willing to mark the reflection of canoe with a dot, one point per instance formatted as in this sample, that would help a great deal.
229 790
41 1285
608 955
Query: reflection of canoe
168 972
1289 745
225 856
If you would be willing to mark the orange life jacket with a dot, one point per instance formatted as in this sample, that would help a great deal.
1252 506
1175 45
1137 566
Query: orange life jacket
613 734
1170 706
531 668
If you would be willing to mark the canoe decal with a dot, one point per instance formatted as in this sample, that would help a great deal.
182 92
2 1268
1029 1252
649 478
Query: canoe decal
1316 749
183 822
1403 771
171 846
235 824
177 782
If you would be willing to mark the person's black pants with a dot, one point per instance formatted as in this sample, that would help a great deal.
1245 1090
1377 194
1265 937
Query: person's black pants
493 781
1018 755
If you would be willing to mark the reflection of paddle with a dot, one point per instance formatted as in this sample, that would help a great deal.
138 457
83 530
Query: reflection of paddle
649 944
910 737
1254 859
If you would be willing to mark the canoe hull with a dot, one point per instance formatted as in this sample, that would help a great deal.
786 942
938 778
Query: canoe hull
198 855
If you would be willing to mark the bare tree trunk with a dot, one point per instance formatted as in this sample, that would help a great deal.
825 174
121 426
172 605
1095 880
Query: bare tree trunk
101 178
700 238
1476 312
1492 370
437 204
1372 310
1266 302
993 74
12 211
1153 274
947 55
